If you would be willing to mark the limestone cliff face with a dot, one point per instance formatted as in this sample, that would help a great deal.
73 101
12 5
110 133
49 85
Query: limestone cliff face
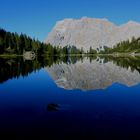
88 76
90 32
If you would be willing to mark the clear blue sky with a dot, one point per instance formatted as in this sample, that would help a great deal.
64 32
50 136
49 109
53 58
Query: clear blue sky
37 17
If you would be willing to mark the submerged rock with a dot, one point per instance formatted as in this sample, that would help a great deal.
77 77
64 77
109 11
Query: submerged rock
52 107
58 107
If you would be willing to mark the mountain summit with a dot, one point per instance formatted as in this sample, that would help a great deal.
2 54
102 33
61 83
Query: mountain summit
91 32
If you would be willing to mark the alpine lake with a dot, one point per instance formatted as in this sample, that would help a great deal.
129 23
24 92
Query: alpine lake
70 98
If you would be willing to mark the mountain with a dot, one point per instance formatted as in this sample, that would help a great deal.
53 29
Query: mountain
91 32
87 75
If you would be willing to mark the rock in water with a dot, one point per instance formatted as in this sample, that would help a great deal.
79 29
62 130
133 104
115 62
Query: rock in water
52 107
90 32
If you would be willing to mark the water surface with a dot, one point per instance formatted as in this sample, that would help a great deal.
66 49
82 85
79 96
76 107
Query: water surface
70 98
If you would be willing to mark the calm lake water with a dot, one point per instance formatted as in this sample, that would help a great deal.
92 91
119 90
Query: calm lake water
70 98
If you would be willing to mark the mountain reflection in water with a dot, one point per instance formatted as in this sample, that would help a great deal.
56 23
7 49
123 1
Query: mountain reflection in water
32 106
97 74
85 73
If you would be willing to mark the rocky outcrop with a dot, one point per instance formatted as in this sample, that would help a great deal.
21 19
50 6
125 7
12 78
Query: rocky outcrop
90 32
29 55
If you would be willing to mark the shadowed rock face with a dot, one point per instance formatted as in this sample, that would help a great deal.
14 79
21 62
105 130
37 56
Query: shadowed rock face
88 76
90 32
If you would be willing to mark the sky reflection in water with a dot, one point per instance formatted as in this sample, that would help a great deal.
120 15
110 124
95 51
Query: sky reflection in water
112 112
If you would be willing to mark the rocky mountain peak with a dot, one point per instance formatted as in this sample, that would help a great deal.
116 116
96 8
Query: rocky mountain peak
91 32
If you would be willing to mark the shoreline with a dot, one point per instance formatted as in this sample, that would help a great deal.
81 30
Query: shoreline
81 55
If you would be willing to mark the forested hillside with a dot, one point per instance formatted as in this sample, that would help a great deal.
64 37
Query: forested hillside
128 46
13 43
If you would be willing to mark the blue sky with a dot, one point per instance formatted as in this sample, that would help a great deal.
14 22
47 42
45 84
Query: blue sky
36 18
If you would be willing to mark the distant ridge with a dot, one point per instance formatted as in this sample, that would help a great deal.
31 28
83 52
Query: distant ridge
91 32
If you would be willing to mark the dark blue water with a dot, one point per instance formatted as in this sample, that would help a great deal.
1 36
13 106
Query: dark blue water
35 107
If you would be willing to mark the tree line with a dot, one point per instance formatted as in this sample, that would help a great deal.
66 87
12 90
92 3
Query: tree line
128 46
13 43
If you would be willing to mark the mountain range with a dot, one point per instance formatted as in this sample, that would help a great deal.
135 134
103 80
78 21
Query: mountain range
91 32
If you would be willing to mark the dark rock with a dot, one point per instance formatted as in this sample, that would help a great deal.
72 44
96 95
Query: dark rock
52 107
